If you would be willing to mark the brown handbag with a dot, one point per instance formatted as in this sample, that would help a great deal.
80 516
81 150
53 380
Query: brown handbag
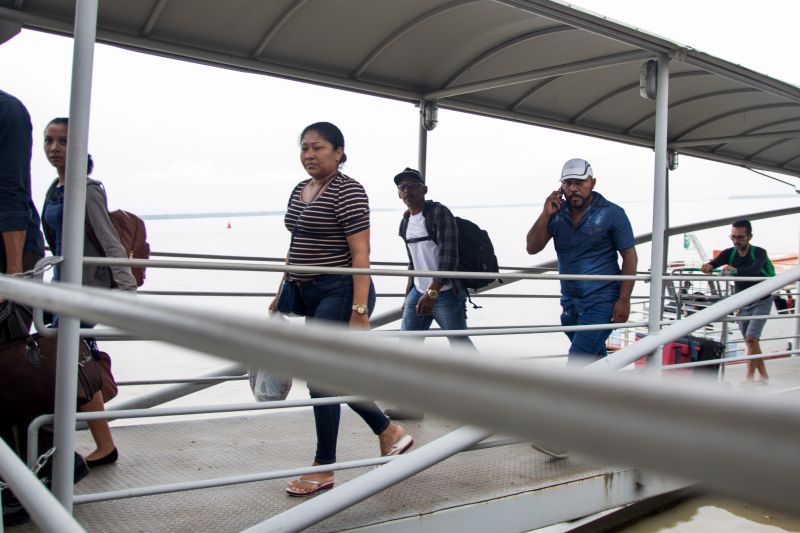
28 377
109 388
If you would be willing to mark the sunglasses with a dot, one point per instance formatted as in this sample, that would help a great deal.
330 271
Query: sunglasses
739 237
409 186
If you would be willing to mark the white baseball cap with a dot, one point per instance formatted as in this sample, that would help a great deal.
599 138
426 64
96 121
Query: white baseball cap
576 169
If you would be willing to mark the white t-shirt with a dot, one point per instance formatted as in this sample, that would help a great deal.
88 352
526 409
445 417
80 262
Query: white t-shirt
424 254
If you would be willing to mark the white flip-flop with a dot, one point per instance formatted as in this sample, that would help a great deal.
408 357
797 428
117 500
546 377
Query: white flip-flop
402 445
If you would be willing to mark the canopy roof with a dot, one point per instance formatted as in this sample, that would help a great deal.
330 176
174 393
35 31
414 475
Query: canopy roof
533 61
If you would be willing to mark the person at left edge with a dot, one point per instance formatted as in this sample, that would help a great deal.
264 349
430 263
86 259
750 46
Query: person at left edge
22 243
331 213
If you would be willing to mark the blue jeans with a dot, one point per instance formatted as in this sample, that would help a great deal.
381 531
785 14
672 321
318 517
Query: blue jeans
330 297
449 311
587 346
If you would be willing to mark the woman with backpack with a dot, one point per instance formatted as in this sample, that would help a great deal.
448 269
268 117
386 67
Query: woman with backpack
100 239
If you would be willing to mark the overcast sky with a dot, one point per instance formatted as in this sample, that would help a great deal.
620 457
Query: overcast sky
170 136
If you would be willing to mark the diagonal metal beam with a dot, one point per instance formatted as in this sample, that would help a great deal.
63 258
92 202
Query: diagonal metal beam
541 85
505 46
721 158
589 108
404 29
153 17
789 134
740 111
275 28
770 146
786 163
763 127
533 75
690 100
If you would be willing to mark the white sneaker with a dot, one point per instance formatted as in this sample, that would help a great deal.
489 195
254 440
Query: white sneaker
555 453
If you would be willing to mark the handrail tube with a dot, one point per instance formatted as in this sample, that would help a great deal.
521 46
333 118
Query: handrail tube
46 331
197 265
513 330
40 503
252 258
37 423
136 492
167 394
666 426
693 322
216 380
238 294
251 478
781 391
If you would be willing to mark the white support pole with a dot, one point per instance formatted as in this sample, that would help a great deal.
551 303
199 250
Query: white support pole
74 214
796 297
659 209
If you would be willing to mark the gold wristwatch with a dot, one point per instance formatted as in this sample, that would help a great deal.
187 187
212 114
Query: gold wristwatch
360 309
432 294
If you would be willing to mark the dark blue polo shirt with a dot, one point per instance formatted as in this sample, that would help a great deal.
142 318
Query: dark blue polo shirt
17 210
590 248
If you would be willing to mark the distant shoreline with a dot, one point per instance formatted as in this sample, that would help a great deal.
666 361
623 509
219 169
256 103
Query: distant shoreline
239 214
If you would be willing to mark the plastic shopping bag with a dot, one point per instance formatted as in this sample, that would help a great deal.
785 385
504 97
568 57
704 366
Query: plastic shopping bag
268 387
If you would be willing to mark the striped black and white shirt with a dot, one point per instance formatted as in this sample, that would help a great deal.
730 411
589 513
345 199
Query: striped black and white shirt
321 238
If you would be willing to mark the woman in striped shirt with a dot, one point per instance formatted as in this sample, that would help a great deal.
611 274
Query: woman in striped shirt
328 215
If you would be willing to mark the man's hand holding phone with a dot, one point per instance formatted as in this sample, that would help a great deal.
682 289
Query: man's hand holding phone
553 202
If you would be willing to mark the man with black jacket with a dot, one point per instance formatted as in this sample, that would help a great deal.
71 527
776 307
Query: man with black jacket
430 233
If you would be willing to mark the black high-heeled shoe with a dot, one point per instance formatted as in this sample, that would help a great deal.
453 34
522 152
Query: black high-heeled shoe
106 460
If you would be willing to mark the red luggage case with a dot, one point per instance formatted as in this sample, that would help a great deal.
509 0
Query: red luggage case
672 354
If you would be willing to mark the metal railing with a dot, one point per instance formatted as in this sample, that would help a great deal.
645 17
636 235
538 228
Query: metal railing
228 339
272 475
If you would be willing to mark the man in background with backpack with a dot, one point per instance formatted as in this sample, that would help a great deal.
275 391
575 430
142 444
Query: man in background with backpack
430 233
588 232
744 259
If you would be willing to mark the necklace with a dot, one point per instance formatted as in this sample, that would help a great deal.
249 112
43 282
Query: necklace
320 188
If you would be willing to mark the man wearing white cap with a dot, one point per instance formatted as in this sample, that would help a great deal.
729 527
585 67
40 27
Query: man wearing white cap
588 231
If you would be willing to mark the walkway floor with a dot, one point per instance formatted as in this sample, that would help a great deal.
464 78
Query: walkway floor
211 448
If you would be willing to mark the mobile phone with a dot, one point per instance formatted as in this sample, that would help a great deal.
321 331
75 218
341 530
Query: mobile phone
561 193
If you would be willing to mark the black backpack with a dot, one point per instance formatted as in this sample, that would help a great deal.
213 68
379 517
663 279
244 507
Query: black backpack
475 253
475 250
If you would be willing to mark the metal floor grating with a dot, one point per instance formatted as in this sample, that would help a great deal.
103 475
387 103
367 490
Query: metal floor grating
210 448
195 450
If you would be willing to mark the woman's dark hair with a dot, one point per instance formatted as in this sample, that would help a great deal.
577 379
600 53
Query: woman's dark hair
65 121
330 133
58 120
